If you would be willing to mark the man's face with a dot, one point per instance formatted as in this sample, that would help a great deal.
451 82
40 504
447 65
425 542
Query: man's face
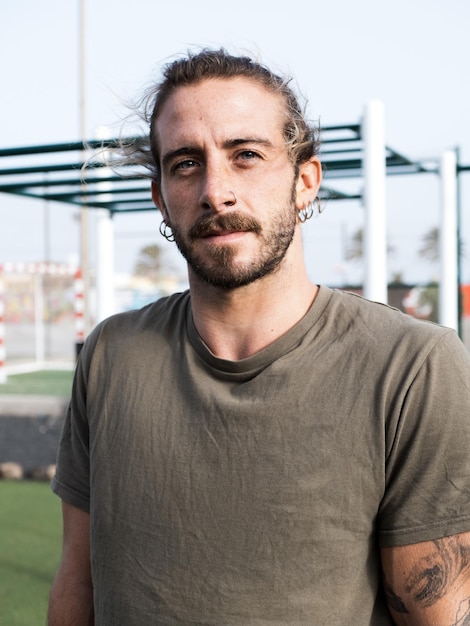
218 141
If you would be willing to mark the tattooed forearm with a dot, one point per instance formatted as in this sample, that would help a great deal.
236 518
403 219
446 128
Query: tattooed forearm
433 576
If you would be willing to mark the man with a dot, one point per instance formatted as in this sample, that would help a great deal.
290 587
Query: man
259 450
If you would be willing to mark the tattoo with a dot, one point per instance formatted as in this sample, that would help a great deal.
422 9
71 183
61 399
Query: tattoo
393 600
463 614
433 576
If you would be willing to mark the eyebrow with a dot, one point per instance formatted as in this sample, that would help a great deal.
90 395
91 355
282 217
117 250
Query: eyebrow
226 145
233 143
183 151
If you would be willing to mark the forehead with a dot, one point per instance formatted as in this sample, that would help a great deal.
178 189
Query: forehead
234 107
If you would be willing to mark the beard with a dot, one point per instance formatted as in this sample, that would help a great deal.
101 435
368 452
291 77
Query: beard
216 265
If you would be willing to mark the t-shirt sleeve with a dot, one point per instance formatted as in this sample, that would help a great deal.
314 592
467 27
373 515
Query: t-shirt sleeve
72 479
427 493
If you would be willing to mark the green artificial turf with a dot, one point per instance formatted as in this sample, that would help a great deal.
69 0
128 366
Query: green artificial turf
44 382
30 546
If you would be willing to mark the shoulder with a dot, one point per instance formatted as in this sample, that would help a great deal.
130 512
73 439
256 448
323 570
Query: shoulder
384 338
162 318
389 323
157 314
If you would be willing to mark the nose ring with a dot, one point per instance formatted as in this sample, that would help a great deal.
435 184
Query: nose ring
231 202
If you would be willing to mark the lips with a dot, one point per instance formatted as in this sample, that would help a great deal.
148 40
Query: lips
222 233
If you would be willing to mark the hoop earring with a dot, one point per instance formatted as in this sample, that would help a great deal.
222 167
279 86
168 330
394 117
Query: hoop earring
306 212
165 231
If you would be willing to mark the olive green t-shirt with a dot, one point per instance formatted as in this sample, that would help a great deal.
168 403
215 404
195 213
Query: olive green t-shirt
258 492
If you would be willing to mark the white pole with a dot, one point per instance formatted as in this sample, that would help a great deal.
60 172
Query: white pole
448 244
39 317
3 373
84 210
375 236
105 264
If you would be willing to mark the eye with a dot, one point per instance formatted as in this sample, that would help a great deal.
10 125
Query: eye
185 165
248 155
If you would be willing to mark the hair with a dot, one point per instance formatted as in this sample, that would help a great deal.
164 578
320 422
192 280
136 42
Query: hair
302 139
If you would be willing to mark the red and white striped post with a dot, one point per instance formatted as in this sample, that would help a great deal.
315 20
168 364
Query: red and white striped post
79 312
3 373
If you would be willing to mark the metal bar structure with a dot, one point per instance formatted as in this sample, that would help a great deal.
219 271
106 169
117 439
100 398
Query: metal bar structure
341 155
65 173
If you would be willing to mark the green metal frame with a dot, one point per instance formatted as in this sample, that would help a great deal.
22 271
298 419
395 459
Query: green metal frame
56 172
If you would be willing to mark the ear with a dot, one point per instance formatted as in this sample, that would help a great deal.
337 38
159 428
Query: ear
308 183
158 200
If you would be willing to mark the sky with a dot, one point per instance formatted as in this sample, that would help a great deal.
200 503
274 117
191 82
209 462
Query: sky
410 54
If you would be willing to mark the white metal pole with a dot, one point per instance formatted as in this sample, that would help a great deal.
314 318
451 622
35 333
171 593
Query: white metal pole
3 373
375 236
84 211
39 318
448 242
105 264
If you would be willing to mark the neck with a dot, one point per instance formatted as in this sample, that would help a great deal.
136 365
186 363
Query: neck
238 323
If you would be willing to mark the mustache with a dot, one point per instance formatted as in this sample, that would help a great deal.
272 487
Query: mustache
233 222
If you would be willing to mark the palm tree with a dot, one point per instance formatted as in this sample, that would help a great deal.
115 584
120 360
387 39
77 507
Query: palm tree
430 248
355 250
149 262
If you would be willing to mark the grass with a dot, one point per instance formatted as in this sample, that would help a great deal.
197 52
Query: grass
30 545
44 382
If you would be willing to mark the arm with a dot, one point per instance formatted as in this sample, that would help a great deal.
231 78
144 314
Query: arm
428 583
71 598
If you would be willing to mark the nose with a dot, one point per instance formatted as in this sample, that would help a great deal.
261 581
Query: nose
217 194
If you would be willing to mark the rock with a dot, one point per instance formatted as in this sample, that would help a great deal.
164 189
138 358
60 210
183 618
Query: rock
11 471
43 472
